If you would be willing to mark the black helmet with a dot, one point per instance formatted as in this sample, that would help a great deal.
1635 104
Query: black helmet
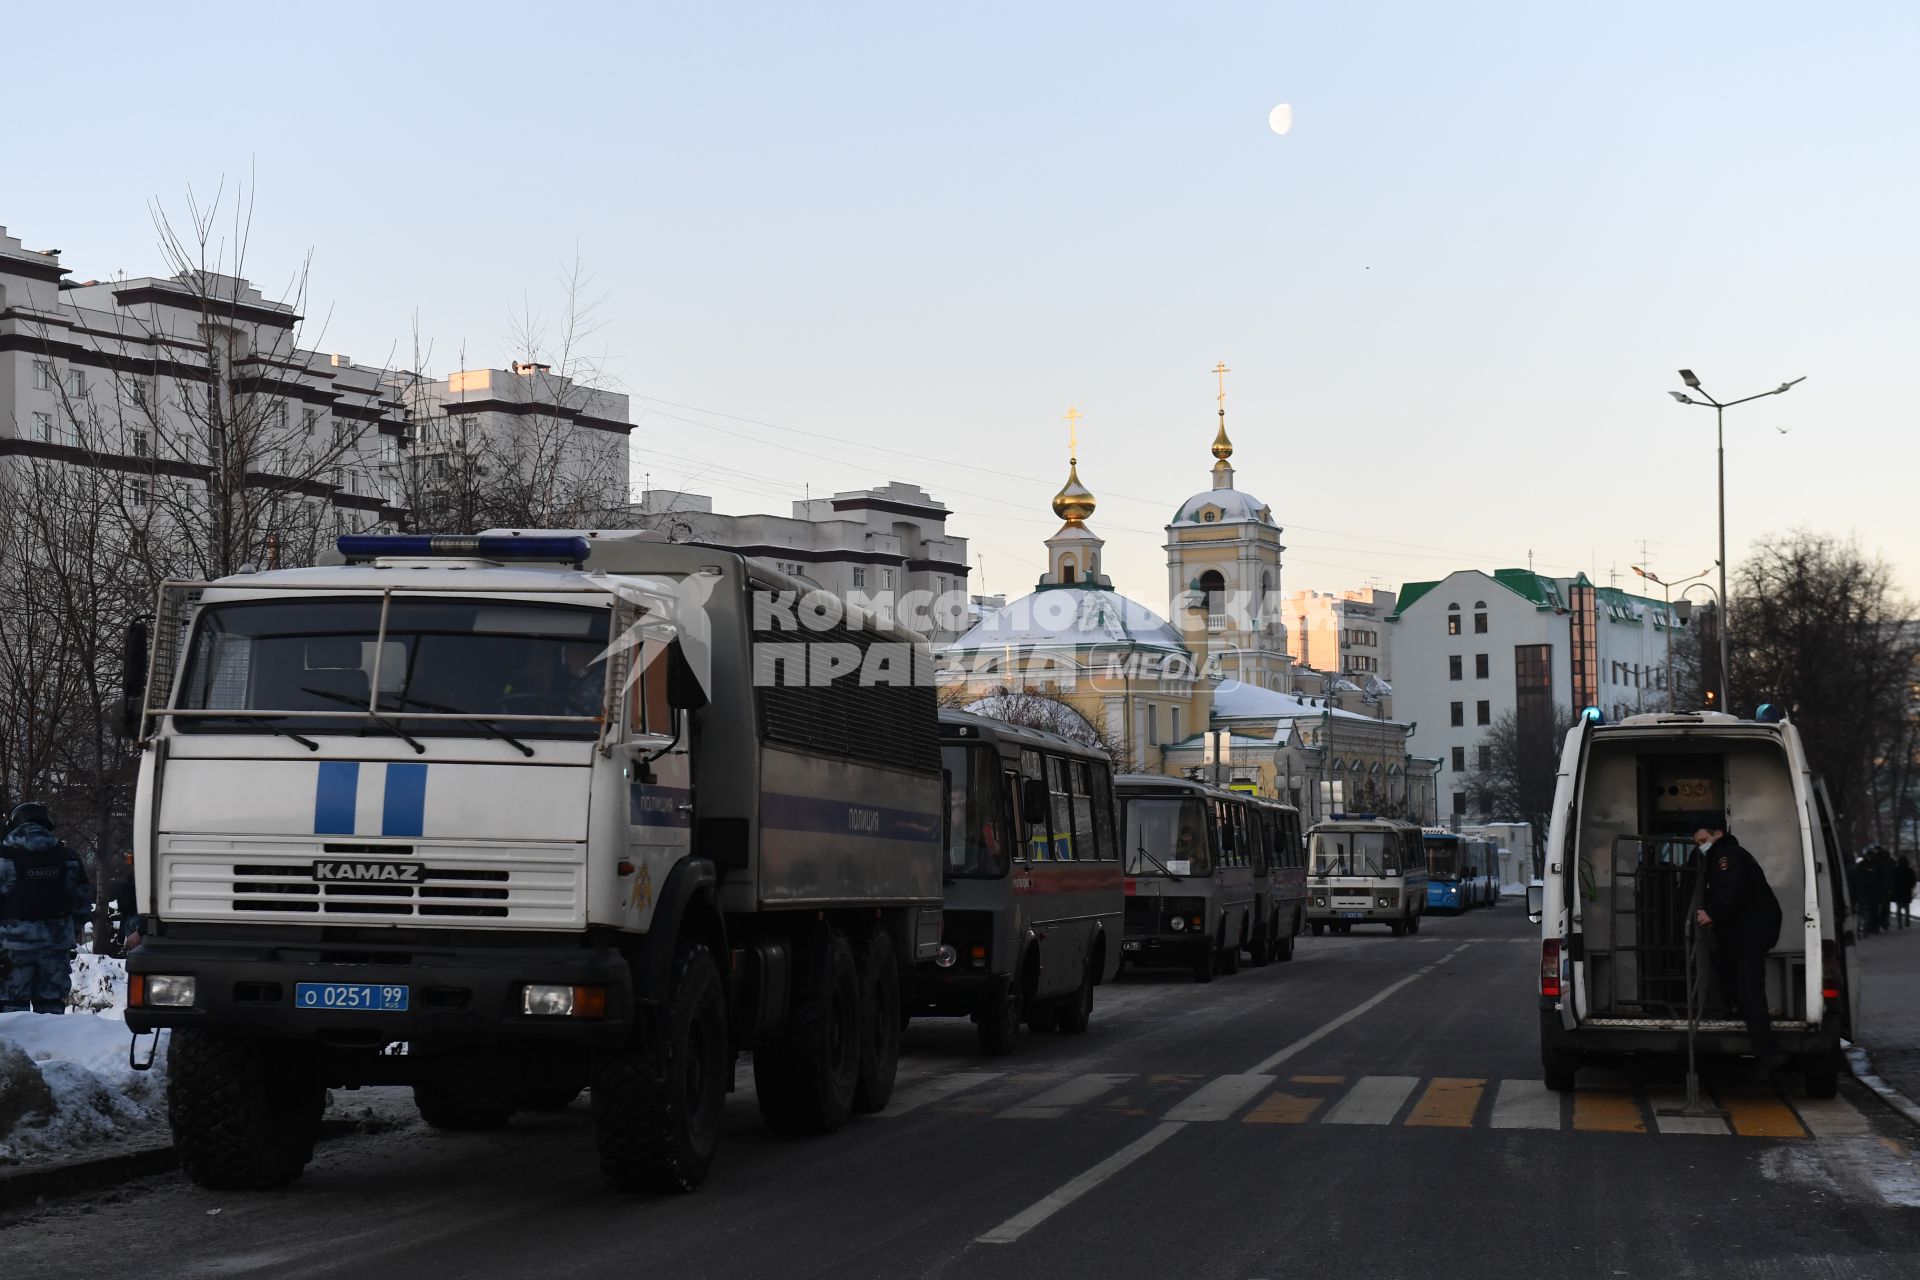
32 811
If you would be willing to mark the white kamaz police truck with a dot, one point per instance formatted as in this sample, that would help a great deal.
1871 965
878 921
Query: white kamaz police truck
504 816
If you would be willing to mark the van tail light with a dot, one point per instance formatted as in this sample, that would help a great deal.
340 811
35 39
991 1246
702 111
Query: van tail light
1829 969
1550 967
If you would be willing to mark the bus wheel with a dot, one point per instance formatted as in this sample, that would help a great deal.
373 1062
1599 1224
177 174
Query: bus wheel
1076 1011
807 1076
1319 929
657 1101
1203 965
1260 949
1283 945
1413 923
244 1113
1227 956
880 1006
1398 928
1000 1021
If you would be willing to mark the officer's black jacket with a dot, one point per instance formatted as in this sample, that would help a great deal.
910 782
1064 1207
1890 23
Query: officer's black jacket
1738 898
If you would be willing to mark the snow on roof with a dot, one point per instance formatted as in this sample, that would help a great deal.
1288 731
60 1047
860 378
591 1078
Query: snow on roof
1231 504
1236 700
1075 616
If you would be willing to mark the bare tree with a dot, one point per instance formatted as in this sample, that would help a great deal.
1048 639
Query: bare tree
1045 707
1517 782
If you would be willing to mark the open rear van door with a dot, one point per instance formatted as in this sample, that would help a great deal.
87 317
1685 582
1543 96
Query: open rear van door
1839 893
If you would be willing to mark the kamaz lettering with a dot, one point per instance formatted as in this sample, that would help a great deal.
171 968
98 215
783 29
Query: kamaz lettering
388 872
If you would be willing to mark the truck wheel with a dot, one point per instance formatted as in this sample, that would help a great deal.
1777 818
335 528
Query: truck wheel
460 1110
806 1078
880 1003
1821 1072
244 1112
657 1100
1076 1011
1000 1020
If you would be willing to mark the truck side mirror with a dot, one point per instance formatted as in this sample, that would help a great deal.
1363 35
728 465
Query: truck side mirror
1033 801
133 679
1536 902
684 692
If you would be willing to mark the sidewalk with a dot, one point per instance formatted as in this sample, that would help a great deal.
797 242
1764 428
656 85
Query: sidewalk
1890 1006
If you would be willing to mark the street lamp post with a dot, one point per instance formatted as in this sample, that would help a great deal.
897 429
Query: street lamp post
1720 436
1650 576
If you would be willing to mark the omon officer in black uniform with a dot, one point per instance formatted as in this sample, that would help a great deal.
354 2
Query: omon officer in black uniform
1739 908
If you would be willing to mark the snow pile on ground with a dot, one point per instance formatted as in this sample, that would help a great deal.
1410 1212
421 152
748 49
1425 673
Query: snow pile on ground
64 1079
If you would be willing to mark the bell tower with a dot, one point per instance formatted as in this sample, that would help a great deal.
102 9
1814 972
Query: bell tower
1073 553
1223 571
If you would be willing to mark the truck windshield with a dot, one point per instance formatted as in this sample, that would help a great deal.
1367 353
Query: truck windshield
286 660
1166 834
1354 853
1443 859
979 836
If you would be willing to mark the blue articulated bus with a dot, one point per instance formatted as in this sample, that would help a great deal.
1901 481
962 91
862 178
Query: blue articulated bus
1460 872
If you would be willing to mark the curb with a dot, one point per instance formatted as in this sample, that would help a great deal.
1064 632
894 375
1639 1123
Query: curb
1861 1065
73 1177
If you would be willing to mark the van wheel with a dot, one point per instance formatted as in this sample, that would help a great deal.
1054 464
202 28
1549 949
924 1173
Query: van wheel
1076 1011
657 1100
1559 1067
806 1078
1821 1072
244 1112
880 1006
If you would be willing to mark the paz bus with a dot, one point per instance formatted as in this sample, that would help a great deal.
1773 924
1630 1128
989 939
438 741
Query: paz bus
1280 880
1033 898
1190 874
1366 870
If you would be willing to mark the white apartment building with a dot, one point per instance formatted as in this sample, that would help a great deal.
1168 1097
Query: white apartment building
136 377
1343 632
1475 646
891 541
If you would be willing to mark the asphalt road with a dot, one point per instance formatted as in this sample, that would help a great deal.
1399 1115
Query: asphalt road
1371 1109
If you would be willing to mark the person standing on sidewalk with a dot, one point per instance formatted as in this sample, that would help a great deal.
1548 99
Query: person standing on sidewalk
1743 915
1903 886
1873 889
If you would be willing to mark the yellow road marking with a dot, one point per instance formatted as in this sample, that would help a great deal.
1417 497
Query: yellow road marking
1760 1113
1608 1110
1284 1108
1319 1079
1448 1104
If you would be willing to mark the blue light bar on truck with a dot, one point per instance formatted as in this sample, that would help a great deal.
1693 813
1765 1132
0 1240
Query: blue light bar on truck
369 546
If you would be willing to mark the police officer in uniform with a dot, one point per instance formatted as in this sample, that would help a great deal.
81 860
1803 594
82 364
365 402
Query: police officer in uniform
1743 916
45 901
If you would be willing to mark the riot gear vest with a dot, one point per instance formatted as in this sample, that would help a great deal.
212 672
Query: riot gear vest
39 885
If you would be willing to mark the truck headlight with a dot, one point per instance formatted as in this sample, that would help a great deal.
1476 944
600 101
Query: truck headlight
168 992
1176 924
544 1000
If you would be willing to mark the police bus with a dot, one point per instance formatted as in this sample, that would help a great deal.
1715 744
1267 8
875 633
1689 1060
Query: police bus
1366 870
1462 871
1189 857
1032 919
502 816
1280 880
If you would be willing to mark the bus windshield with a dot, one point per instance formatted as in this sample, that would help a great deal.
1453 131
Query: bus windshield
1167 834
277 662
978 835
1355 853
1443 859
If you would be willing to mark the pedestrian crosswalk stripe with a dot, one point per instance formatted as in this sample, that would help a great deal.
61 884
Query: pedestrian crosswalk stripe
1056 1101
940 1088
1832 1118
1758 1113
1672 1096
1607 1109
1526 1104
1284 1108
1373 1100
1221 1097
1447 1104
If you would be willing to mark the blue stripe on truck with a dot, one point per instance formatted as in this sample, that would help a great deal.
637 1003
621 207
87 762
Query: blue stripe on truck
404 810
334 793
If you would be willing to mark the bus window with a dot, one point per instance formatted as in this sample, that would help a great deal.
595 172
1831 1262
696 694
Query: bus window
1062 809
979 835
1085 846
1039 843
1017 824
1166 834
1103 813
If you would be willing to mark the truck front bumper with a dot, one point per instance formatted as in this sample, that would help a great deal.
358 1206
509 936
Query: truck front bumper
456 996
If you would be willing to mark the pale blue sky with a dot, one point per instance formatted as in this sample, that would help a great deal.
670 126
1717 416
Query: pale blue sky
1453 297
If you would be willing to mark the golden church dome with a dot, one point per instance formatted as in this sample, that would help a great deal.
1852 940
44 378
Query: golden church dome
1075 502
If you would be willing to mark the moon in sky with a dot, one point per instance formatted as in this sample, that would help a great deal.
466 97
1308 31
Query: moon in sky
1280 119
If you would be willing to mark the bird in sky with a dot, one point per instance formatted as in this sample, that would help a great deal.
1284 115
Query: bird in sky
1783 430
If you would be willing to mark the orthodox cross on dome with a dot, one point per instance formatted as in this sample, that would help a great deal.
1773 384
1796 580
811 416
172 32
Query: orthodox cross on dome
1222 447
1072 418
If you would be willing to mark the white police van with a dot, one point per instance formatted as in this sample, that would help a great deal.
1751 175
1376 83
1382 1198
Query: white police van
504 816
1616 901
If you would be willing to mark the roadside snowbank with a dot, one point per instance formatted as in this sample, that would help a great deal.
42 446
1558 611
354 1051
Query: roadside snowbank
65 1085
